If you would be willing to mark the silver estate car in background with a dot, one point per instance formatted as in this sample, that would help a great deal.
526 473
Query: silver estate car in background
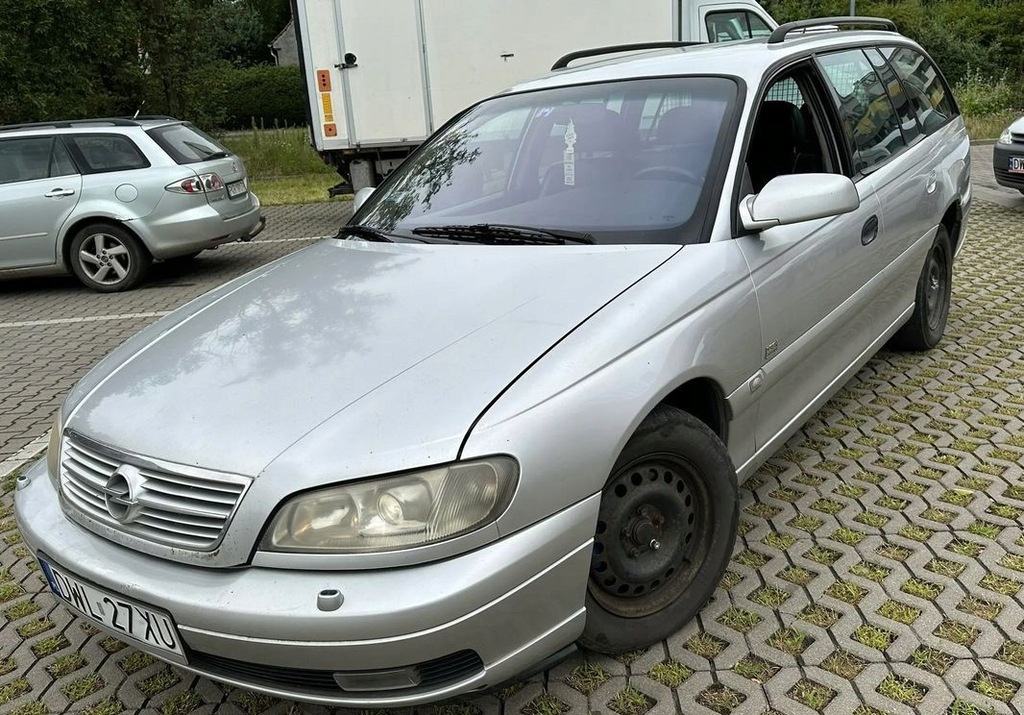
103 197
507 408
1008 157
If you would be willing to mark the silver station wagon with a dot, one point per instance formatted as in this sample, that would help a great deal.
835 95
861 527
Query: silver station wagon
103 198
505 411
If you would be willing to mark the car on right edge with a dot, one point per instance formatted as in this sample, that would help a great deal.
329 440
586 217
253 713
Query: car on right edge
1008 157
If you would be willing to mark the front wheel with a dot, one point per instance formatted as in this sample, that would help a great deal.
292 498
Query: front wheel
108 258
665 532
931 300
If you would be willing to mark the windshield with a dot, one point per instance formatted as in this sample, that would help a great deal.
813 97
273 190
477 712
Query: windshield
186 144
625 162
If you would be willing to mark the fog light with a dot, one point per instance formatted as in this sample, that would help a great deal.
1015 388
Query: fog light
373 680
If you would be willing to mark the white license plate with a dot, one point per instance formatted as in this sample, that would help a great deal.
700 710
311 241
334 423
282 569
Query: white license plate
116 613
1017 164
236 189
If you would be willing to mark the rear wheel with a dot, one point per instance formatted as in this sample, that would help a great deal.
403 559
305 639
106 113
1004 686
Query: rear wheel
107 258
931 305
664 534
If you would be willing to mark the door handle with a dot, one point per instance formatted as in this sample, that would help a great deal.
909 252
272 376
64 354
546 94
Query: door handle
929 187
57 193
870 231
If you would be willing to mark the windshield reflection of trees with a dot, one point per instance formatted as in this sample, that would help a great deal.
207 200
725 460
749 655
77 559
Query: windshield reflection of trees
421 182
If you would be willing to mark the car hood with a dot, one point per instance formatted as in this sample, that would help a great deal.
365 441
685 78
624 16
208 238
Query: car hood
1018 126
392 350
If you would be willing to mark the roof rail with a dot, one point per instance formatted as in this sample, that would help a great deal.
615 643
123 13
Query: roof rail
564 61
68 124
151 117
779 34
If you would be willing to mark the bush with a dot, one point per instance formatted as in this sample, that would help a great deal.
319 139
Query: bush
226 97
979 95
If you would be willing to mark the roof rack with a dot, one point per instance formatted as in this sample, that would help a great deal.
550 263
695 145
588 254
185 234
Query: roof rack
779 34
564 61
70 123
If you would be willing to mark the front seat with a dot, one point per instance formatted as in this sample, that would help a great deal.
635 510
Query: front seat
775 143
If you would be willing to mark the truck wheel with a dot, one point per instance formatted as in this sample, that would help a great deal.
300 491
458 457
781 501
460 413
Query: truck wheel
107 258
665 532
931 302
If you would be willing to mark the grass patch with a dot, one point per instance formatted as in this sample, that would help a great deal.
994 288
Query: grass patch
755 668
872 518
790 640
295 190
921 588
820 616
963 707
916 533
630 701
939 516
902 690
706 645
135 661
987 610
893 503
34 628
894 552
899 612
778 541
20 610
770 596
799 576
814 695
753 559
786 494
870 571
729 580
874 637
546 704
629 656
181 704
670 673
828 506
587 677
765 511
49 646
850 491
14 689
823 555
83 687
957 497
945 567
957 632
1001 584
720 698
850 537
844 664
158 682
277 152
66 664
965 547
1005 511
992 686
739 619
805 522
989 126
985 529
932 660
846 591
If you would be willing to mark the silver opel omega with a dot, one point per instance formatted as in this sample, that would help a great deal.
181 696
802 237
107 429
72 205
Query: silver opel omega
506 410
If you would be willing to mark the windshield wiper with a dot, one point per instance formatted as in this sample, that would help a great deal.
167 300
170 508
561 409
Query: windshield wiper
500 233
364 232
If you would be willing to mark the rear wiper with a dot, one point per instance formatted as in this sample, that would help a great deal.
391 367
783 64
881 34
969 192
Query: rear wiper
370 234
500 233
217 155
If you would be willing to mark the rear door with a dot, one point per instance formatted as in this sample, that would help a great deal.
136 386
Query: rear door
39 188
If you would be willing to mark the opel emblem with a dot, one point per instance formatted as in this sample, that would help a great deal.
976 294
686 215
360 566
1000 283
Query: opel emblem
121 494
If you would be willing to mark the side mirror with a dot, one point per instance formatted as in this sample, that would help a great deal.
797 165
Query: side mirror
360 198
798 197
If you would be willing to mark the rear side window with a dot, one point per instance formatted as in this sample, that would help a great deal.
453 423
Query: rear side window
900 99
25 159
870 123
60 161
101 153
735 25
186 144
925 87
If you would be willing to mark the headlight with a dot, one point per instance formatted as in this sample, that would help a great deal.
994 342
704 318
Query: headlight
396 512
53 449
1006 137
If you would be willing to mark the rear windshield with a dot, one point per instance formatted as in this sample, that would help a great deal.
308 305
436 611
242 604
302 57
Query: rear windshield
628 162
186 144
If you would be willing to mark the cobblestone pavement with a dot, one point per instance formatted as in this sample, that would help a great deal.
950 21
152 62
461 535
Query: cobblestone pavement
879 567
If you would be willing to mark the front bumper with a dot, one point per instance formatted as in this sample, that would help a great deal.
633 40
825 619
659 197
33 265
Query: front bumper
481 618
1001 154
172 231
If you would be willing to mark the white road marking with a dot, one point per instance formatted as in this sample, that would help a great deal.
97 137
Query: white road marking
85 319
25 454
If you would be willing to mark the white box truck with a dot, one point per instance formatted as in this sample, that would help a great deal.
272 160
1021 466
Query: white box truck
382 75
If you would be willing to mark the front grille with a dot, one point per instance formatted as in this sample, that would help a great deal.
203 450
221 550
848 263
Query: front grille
1017 137
184 508
433 674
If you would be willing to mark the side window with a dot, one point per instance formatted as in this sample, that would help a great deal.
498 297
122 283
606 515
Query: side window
870 123
787 135
926 89
25 159
898 96
60 161
735 25
107 152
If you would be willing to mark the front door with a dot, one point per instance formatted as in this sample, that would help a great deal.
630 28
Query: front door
39 188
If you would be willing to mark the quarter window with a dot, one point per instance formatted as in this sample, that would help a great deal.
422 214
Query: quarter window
870 123
898 96
60 161
925 87
107 152
25 159
735 25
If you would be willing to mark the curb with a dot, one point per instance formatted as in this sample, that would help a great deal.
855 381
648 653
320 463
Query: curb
26 454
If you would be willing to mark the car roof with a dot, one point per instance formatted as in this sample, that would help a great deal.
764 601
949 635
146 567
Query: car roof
746 59
143 122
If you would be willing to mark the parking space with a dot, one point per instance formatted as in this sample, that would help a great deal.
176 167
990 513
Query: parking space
879 567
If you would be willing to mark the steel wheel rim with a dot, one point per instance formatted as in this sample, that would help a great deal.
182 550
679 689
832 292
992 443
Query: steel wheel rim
104 258
936 288
652 535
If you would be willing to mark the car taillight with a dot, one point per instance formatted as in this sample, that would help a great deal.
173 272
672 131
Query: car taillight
202 184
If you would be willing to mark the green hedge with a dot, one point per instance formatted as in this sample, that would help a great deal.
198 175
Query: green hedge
226 97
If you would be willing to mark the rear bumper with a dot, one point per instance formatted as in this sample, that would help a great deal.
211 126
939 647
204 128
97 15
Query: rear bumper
481 618
1001 154
195 229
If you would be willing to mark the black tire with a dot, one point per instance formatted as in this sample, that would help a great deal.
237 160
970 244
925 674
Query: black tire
107 258
665 533
931 301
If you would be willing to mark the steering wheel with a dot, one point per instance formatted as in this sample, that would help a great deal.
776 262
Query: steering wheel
674 173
